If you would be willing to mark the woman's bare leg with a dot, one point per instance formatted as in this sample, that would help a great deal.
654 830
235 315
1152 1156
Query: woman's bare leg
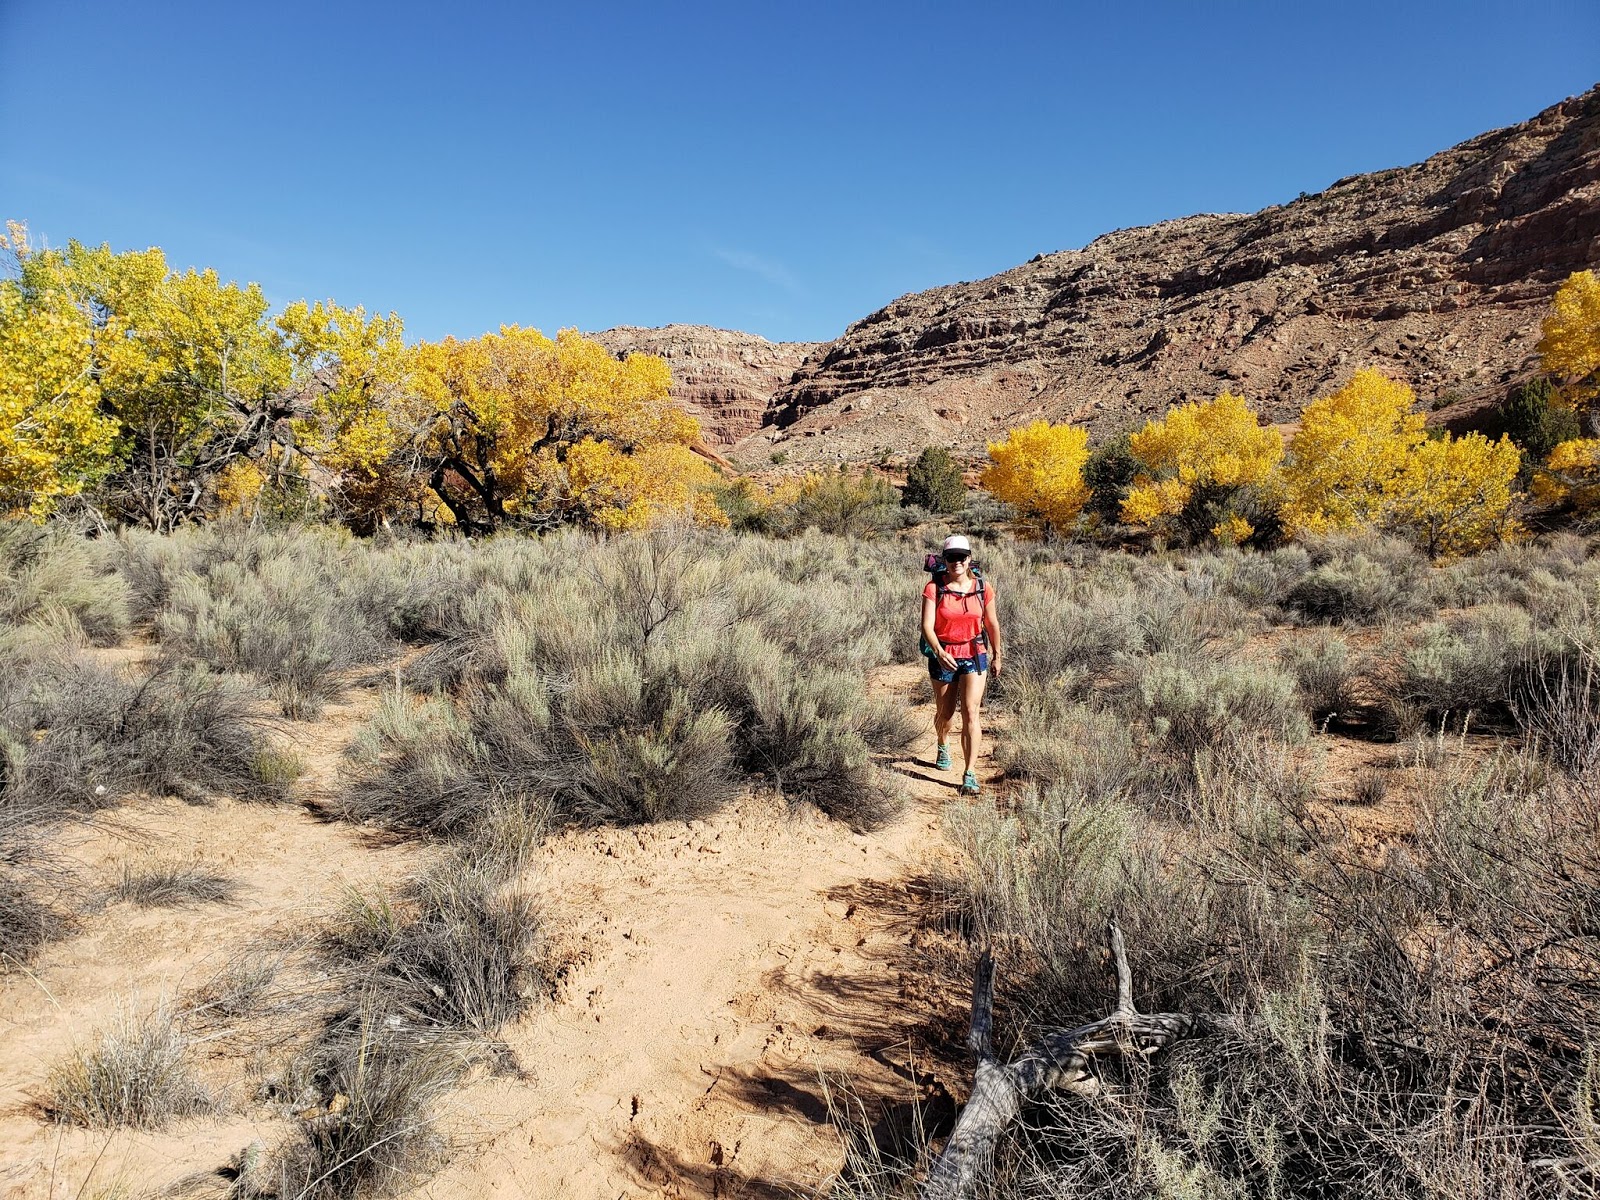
971 723
945 698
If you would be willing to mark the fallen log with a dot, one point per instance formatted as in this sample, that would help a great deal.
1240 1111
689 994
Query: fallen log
1064 1061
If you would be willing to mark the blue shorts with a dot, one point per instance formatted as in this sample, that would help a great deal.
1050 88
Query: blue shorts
940 673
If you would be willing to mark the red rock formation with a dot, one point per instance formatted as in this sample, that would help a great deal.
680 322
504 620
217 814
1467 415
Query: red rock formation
724 379
1437 274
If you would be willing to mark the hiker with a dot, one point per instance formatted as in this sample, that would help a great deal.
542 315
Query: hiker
962 633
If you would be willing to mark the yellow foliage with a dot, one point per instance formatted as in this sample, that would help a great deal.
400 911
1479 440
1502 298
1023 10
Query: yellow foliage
239 484
1232 530
1570 344
1452 495
1038 470
53 438
1219 442
1571 474
665 480
554 431
1349 446
356 368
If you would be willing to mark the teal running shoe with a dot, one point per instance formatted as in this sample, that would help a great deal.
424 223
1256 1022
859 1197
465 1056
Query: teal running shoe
969 784
941 760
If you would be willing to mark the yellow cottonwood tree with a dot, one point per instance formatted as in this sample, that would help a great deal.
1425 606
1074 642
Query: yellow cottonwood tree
360 430
182 366
54 441
1038 470
1349 446
1571 475
545 432
1570 345
1452 495
1217 446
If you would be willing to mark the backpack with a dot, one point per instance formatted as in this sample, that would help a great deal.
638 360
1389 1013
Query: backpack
935 565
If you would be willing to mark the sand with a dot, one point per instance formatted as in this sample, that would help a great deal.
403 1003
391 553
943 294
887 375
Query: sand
726 979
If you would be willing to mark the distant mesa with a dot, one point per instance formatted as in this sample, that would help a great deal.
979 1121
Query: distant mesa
1437 274
725 379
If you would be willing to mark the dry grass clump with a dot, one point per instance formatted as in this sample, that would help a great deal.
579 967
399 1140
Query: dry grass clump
1370 786
103 736
422 980
1558 704
137 1074
374 1131
173 884
53 575
31 884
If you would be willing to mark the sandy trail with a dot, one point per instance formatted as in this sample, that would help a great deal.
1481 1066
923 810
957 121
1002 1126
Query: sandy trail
732 964
719 971
290 869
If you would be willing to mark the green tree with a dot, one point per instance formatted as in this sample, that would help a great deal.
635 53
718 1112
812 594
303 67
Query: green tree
1538 419
1109 473
934 482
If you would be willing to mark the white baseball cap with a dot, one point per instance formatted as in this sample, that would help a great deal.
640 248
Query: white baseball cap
957 541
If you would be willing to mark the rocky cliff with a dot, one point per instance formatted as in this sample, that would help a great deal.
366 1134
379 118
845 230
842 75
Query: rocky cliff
1437 274
725 379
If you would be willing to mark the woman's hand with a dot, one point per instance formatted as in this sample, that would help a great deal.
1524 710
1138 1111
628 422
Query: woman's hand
994 663
947 659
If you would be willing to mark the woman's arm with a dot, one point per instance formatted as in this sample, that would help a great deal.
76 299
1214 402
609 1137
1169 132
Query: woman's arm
930 605
991 626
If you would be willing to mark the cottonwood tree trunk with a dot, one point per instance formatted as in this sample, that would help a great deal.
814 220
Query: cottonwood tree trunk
1062 1062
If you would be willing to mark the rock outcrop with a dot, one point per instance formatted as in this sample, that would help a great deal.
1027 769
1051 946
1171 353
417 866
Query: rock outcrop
1437 274
724 379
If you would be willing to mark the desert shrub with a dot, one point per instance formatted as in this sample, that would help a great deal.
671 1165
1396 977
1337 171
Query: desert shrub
1325 673
1109 472
639 687
1361 581
1362 1043
934 482
44 572
1537 418
136 1074
171 884
630 751
1557 701
1261 580
175 732
413 768
1203 705
469 955
283 624
1467 666
840 503
376 1129
1058 743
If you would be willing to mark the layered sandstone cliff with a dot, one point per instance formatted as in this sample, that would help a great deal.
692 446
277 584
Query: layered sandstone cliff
725 379
1437 274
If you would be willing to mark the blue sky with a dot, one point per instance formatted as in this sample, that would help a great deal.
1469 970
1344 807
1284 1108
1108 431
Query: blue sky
783 169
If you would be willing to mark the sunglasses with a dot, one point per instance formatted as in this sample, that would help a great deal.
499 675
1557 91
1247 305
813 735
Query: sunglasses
955 556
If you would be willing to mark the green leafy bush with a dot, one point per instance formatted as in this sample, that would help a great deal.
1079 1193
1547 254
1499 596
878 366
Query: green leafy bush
934 482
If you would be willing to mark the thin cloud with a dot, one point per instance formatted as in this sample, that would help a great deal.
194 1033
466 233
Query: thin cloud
774 273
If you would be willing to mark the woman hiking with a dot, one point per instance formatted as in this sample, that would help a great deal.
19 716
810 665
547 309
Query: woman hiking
960 626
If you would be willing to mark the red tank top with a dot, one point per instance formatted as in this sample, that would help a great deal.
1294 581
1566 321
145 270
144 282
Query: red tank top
958 618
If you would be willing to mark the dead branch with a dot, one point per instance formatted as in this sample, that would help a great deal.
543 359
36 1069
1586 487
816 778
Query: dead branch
1064 1061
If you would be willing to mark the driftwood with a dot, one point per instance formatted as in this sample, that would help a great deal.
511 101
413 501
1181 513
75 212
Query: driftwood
1064 1061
